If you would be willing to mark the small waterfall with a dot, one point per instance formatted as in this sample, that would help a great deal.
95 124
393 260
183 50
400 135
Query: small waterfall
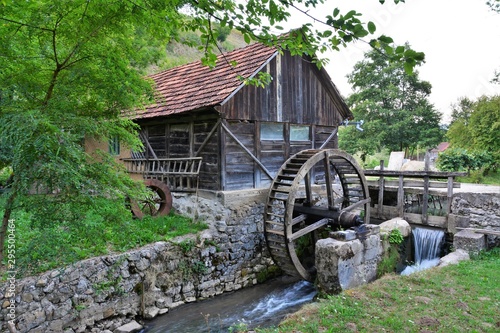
427 247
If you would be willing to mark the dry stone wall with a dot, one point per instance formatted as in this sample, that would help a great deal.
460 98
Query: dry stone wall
479 211
346 261
103 293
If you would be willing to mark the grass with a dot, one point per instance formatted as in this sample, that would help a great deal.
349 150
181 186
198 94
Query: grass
477 177
102 228
456 298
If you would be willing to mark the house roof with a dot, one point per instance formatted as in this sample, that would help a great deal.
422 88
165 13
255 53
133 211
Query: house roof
441 147
195 86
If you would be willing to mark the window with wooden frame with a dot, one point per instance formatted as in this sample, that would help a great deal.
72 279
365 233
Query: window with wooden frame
300 133
271 131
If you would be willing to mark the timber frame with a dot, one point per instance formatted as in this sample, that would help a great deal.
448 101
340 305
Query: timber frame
416 185
242 133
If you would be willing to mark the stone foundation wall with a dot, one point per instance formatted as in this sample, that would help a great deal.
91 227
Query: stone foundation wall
347 262
479 211
105 292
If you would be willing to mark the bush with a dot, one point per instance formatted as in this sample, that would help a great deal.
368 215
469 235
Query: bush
459 159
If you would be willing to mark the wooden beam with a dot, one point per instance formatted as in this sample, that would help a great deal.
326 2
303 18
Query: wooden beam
401 197
208 137
449 194
413 183
259 163
414 174
381 191
329 138
308 229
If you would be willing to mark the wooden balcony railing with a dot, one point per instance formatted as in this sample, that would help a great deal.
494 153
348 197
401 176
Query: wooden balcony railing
180 174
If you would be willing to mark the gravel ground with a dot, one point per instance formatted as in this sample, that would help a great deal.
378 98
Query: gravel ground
476 188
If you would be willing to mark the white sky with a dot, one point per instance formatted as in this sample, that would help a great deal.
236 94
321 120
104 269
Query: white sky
460 39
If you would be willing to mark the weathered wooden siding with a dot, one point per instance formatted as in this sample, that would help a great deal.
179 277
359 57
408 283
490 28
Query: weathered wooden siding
241 171
210 168
298 94
239 166
321 134
183 137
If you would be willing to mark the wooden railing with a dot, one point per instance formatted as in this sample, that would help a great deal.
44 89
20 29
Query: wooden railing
180 174
419 185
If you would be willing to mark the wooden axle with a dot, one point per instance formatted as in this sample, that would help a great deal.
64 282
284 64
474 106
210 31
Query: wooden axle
336 217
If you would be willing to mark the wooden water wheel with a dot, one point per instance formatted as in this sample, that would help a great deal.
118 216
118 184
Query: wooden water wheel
314 192
156 202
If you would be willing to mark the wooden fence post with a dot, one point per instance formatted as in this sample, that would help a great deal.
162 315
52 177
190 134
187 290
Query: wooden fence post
401 197
425 199
380 191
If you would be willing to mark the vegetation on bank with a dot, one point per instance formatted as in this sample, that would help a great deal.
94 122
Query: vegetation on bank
457 298
86 230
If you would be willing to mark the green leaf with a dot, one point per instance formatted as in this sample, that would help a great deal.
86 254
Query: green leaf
389 50
385 39
371 27
336 12
408 66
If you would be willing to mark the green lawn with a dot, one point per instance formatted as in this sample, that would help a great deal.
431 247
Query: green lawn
457 298
102 227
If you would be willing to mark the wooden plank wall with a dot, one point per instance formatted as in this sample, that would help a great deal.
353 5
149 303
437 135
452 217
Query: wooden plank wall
210 167
297 94
182 137
239 166
241 171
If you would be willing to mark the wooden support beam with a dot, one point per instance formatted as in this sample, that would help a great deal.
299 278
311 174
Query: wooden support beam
401 198
381 191
425 196
449 194
259 163
208 138
329 138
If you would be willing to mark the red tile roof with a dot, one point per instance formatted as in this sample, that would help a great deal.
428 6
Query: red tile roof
194 86
442 146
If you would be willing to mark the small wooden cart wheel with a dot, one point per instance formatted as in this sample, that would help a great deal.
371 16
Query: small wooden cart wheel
157 202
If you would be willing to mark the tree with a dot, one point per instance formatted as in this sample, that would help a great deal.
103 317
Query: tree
478 129
69 68
394 106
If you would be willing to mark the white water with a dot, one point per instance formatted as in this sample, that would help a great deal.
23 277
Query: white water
259 306
427 244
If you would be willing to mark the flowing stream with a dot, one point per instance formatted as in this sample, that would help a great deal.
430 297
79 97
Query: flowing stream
263 305
427 243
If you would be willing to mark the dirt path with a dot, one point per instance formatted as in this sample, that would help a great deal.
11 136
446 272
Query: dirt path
477 188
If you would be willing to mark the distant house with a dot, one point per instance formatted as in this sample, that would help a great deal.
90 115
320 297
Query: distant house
434 152
242 133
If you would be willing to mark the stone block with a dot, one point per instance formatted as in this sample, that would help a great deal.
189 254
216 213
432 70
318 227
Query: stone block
453 258
396 160
396 223
457 221
343 236
374 229
469 241
131 327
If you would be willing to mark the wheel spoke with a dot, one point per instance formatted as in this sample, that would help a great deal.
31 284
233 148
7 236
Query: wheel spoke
300 206
308 229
